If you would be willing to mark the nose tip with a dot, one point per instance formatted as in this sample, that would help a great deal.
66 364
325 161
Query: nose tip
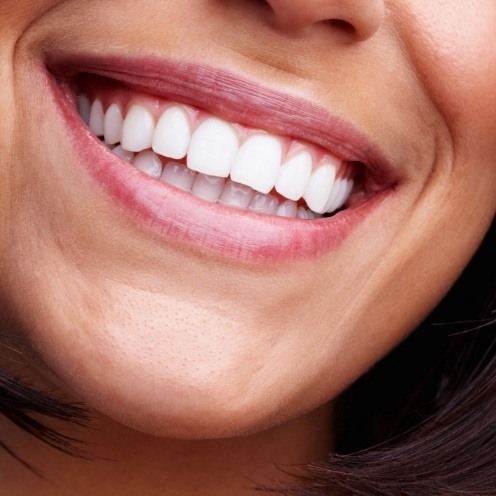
362 17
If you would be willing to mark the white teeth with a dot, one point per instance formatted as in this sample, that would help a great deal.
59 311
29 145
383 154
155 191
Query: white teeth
112 124
288 209
349 187
303 213
294 176
213 148
84 108
138 129
258 162
96 118
179 176
333 197
320 187
263 204
213 152
236 195
124 154
339 195
208 187
173 133
149 163
344 192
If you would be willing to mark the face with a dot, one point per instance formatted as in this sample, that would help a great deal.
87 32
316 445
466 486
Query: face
323 173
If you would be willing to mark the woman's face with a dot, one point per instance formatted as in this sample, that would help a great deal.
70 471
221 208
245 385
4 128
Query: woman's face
184 318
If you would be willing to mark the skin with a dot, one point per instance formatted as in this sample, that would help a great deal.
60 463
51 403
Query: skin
178 354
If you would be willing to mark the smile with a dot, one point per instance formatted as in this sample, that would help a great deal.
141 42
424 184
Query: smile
195 151
177 155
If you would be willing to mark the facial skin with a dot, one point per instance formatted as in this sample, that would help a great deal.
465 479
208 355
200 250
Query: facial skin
186 345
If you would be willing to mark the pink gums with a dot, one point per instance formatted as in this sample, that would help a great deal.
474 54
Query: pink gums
211 228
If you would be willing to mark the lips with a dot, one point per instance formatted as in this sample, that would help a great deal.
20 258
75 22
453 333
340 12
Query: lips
196 151
261 127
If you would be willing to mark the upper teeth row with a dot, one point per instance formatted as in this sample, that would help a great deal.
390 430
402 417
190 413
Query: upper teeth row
214 147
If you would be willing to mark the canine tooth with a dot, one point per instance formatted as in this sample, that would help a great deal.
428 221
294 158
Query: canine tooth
335 196
236 195
320 187
124 154
213 148
112 124
208 187
149 163
258 162
96 118
288 209
294 176
84 108
138 129
173 133
264 204
178 175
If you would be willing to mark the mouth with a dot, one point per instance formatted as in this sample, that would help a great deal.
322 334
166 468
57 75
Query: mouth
211 160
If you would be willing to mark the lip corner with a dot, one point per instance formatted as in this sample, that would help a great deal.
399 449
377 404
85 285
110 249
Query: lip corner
181 217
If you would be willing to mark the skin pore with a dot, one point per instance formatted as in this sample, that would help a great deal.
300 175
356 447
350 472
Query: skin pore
202 370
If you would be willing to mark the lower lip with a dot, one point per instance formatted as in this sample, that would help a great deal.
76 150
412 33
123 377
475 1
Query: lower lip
212 229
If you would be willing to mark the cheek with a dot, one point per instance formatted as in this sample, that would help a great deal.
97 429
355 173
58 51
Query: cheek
453 48
15 17
18 14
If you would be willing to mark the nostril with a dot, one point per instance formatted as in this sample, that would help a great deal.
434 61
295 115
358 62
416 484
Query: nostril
342 26
261 4
355 20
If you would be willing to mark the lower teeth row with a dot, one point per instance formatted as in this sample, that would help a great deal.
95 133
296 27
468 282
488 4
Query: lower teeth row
263 176
213 189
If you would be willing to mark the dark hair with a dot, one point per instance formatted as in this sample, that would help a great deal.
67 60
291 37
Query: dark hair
422 422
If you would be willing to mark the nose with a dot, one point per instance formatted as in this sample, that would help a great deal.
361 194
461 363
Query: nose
362 17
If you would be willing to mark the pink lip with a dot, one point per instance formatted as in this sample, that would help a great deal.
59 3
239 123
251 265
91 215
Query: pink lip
181 217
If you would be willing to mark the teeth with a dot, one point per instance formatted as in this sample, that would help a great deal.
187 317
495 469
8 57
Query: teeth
149 163
138 129
344 193
96 118
303 213
258 162
236 195
340 193
112 124
84 108
179 176
124 154
213 152
333 197
294 176
208 187
263 204
349 188
288 209
320 187
213 148
173 133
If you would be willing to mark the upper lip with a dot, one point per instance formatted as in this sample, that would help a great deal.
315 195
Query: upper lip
237 99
